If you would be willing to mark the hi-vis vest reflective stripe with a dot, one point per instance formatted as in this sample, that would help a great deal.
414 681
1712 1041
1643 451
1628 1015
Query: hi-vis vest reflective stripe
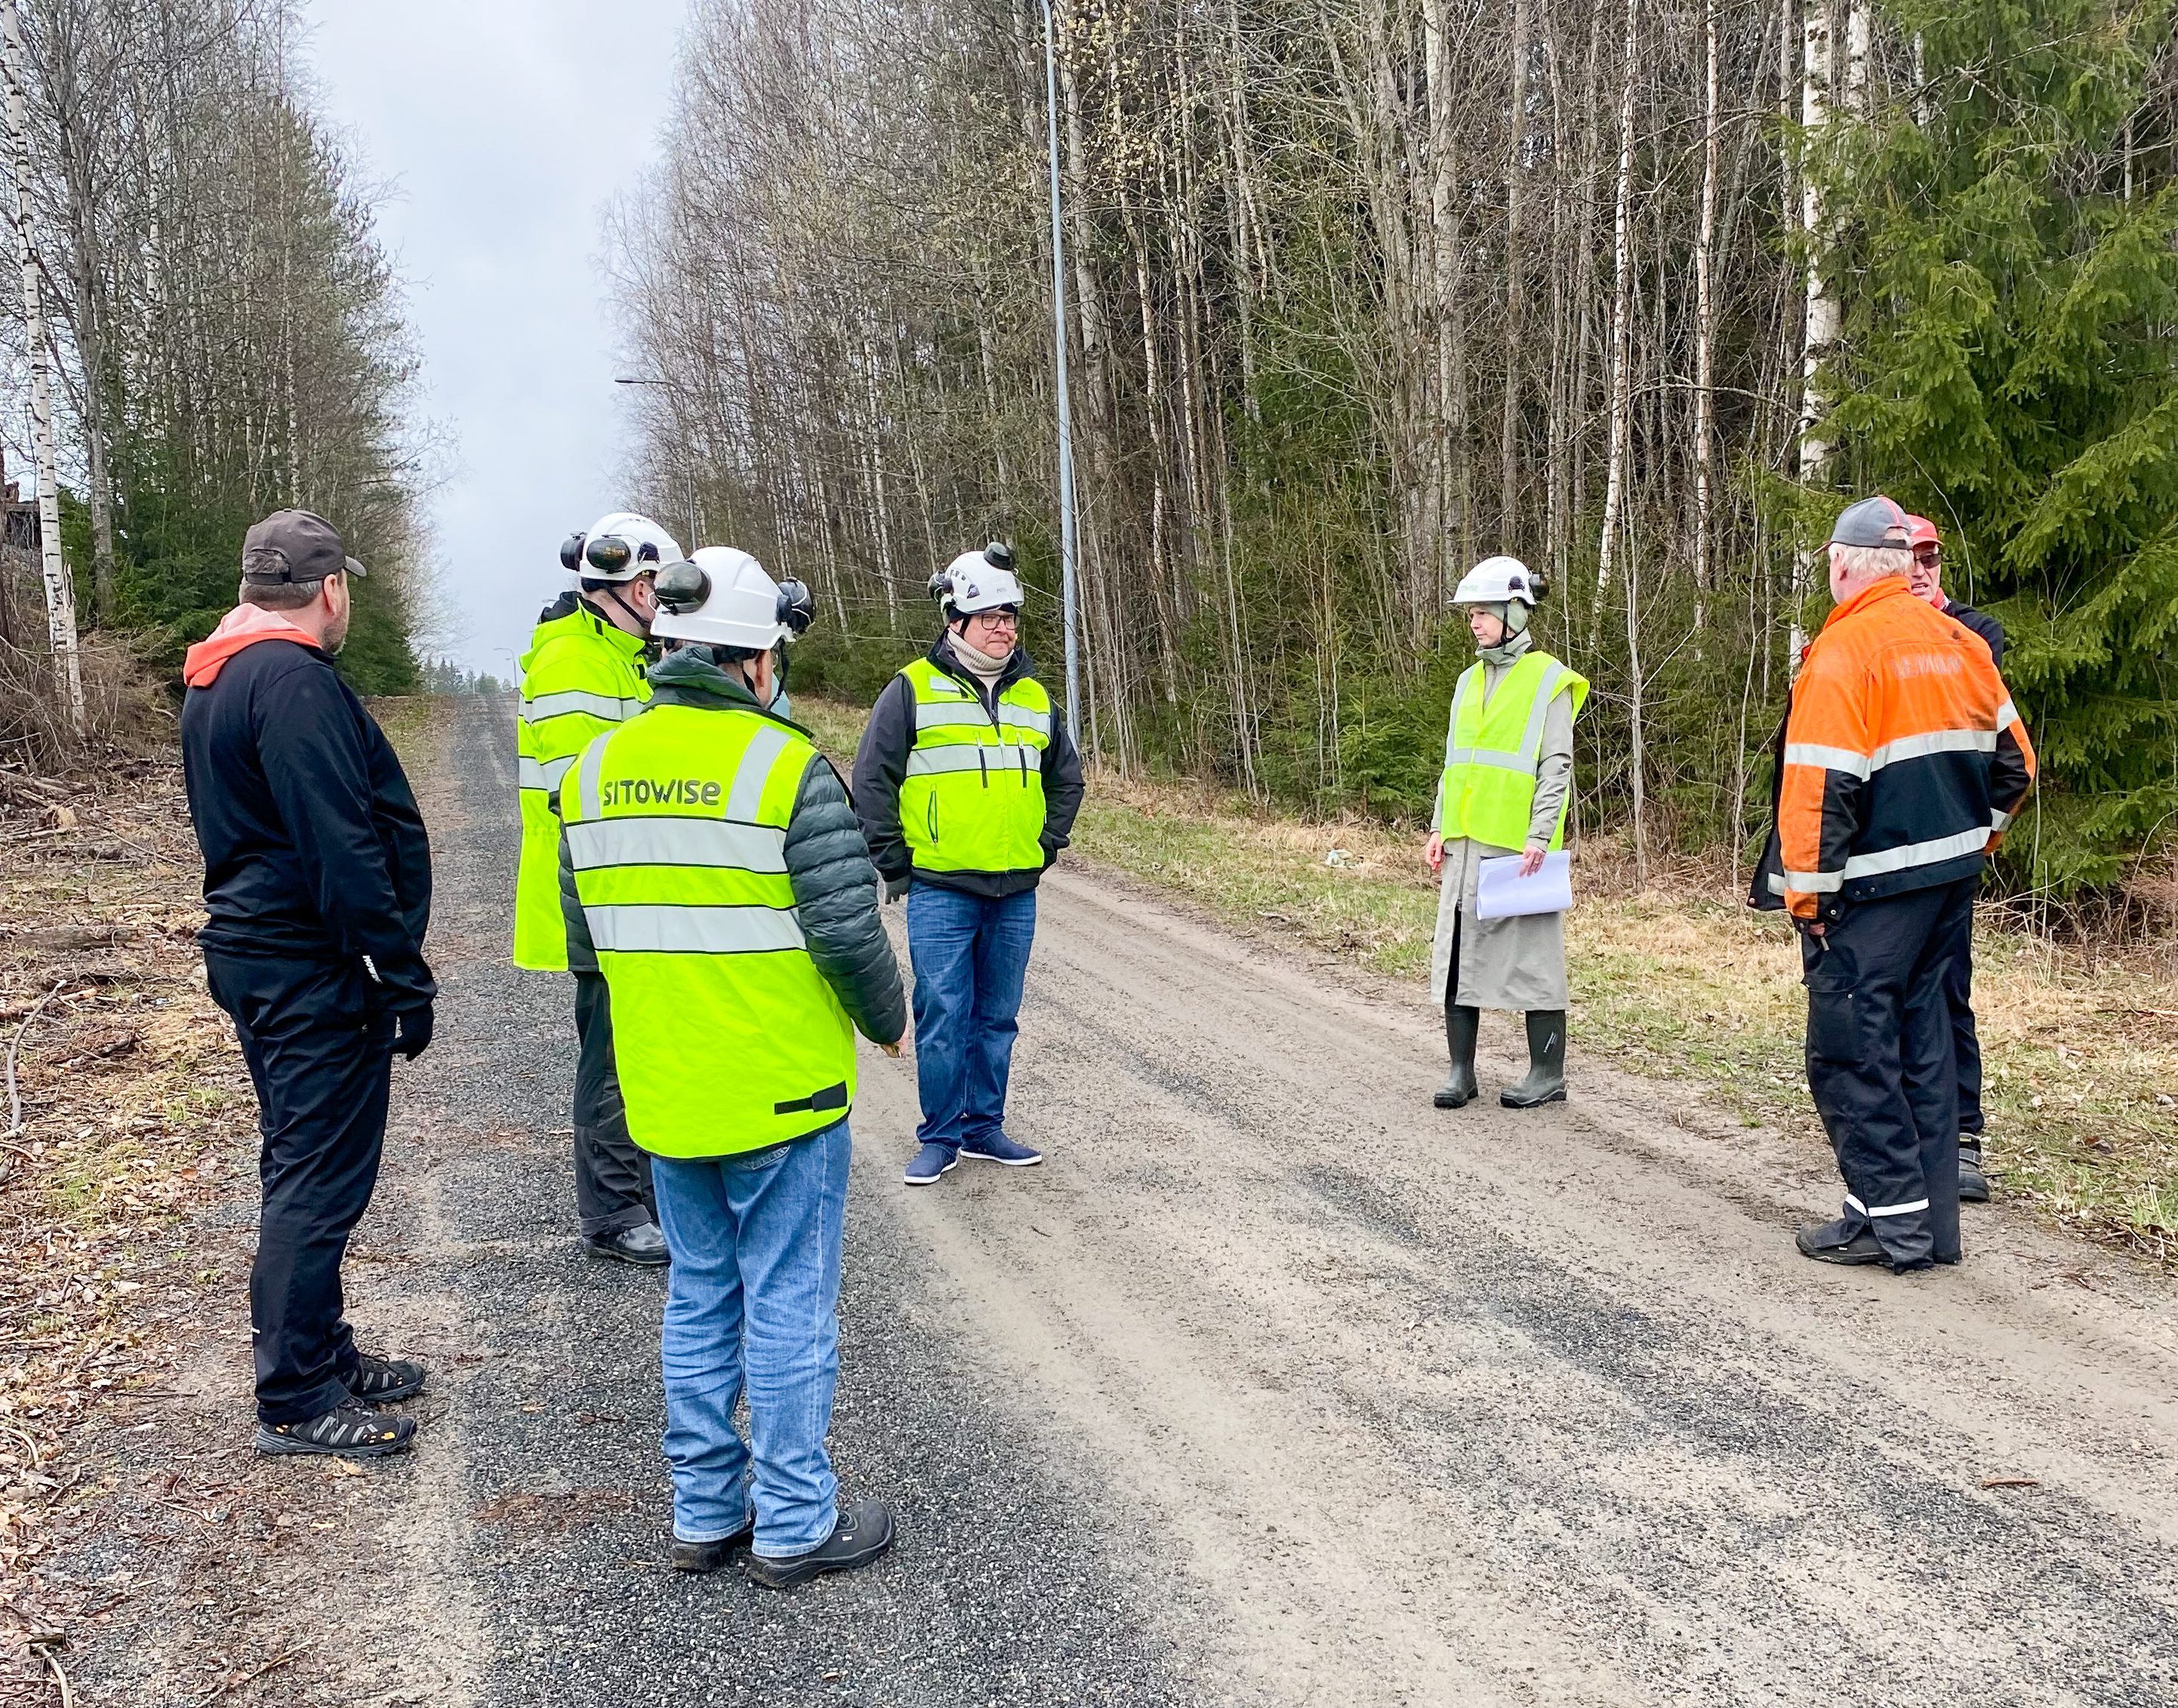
726 1036
581 677
972 799
1488 792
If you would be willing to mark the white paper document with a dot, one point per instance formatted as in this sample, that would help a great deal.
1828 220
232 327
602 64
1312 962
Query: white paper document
1502 892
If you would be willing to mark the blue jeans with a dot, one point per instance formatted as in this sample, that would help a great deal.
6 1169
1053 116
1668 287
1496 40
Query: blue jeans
970 956
754 1296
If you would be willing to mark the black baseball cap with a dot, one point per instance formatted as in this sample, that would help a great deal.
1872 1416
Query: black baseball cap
295 545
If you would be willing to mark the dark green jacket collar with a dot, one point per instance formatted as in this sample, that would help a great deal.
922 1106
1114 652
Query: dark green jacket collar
687 677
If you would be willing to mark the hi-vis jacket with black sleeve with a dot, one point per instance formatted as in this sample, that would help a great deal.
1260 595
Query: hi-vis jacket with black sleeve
580 677
1904 758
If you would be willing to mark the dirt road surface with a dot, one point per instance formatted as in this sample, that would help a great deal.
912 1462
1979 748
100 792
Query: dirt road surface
1274 1385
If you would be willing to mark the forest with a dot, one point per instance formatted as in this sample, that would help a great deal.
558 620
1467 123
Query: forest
222 330
1360 290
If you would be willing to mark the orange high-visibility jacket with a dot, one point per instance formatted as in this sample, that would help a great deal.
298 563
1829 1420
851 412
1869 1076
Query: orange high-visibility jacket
1904 757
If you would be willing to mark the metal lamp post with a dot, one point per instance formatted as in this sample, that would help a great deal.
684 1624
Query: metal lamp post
1068 598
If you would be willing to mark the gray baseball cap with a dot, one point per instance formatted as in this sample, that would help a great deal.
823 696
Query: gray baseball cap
295 545
1874 521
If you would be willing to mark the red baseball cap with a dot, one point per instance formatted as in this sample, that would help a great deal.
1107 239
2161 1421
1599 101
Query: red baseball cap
1921 531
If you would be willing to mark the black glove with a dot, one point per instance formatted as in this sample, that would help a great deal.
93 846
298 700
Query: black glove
413 1037
895 888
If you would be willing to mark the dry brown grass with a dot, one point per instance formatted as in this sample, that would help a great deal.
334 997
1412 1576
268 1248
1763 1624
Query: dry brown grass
128 1077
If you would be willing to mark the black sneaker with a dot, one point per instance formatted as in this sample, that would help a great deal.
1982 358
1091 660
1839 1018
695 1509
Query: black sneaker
381 1380
643 1247
862 1534
708 1557
1829 1242
352 1429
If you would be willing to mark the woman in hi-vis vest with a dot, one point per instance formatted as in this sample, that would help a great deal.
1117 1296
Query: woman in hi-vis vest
1508 781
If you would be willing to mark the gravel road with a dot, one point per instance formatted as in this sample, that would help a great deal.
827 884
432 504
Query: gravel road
1273 1385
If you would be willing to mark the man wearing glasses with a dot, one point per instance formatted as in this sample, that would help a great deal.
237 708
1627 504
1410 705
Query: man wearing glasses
967 787
582 675
1926 579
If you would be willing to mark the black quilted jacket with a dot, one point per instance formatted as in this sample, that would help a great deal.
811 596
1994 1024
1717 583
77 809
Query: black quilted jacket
835 886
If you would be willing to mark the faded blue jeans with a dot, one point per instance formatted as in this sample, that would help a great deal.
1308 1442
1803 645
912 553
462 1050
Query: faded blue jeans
753 1297
970 960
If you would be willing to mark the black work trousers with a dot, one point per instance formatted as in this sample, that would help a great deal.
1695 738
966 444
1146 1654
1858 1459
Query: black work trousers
321 1061
612 1176
1881 1068
1966 1042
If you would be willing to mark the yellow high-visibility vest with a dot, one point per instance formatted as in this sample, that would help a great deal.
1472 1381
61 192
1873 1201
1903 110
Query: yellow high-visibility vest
580 677
726 1036
972 799
1488 791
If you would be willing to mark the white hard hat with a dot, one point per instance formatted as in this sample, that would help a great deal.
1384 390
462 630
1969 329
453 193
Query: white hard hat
719 597
619 547
1497 581
978 581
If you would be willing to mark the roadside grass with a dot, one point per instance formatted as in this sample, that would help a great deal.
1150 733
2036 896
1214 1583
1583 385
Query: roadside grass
1680 981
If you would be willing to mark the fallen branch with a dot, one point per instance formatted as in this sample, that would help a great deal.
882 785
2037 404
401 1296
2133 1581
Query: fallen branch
275 1662
67 1695
14 1097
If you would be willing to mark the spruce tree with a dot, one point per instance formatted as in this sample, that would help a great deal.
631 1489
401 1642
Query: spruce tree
2008 367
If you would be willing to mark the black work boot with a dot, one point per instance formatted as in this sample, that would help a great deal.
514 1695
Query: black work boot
1545 1080
1460 1026
863 1532
1974 1184
1841 1242
708 1557
644 1247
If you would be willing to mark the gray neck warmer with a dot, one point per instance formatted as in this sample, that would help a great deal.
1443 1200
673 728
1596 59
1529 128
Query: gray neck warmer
1500 657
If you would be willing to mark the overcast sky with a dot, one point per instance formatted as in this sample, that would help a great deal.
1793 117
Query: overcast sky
505 126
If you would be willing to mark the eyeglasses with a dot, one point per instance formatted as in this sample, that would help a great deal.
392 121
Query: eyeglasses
997 619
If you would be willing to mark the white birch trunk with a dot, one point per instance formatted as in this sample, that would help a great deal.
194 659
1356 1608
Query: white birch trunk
1614 491
1705 328
60 592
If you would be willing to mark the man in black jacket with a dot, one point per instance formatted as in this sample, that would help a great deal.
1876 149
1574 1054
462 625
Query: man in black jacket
318 883
1926 579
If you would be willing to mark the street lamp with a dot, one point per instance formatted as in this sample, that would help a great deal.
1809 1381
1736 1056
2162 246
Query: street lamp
1067 535
688 453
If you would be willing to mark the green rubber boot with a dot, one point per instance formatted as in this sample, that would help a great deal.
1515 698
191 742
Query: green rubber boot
1460 1027
1545 1080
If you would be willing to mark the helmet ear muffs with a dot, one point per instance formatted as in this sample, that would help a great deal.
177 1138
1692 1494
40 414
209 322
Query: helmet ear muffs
999 556
570 552
797 605
681 587
610 555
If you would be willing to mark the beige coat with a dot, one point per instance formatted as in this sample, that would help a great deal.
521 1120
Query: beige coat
1517 963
